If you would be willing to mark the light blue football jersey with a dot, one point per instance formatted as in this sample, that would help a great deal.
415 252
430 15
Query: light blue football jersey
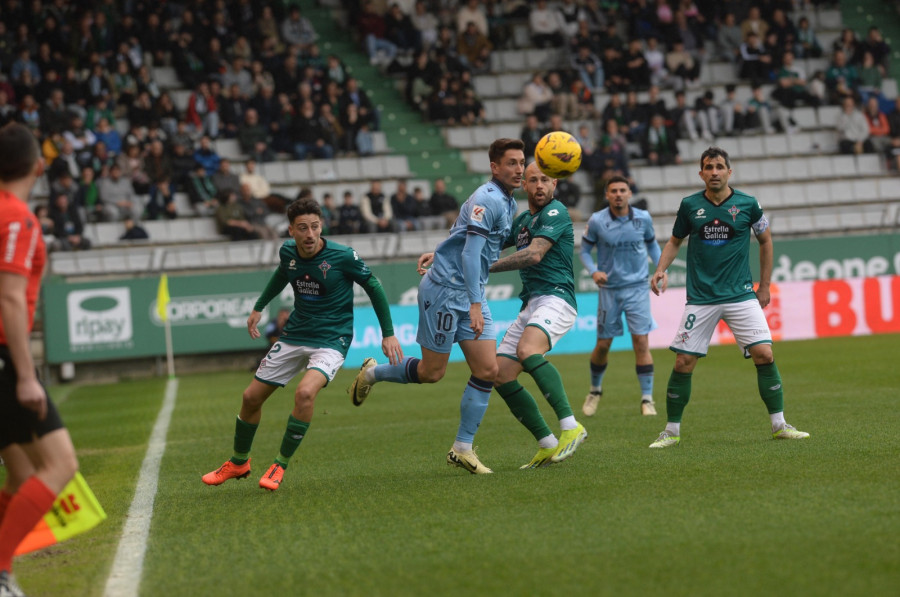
623 246
488 212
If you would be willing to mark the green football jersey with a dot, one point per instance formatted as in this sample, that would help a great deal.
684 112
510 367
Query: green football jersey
718 253
554 275
323 294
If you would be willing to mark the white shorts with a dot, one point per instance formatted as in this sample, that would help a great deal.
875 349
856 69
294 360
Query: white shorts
552 314
698 323
284 361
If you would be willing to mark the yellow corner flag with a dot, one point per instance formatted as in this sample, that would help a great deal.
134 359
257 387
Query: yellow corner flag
75 511
163 298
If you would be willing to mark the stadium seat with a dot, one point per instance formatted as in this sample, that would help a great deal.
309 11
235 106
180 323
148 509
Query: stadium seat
888 189
868 164
805 117
482 137
183 205
649 177
513 60
165 77
323 171
396 166
820 166
297 172
770 196
371 168
229 149
799 143
776 169
675 176
459 137
747 172
865 189
107 233
273 172
841 165
379 142
204 229
181 230
180 98
775 145
486 86
829 19
511 84
347 169
841 191
751 147
828 116
157 230
818 193
790 168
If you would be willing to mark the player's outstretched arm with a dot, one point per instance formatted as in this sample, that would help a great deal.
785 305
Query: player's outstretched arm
14 313
660 279
531 255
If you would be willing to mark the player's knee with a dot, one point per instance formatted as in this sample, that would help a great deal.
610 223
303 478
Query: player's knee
487 372
252 400
305 396
431 375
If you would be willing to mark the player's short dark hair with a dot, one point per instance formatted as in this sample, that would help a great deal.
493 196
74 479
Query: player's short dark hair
303 207
617 178
715 152
19 152
501 146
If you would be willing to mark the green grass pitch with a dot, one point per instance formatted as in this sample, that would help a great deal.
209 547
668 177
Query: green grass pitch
369 507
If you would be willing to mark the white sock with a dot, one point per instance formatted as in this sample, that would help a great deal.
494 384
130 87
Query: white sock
459 446
777 421
596 389
674 428
369 375
646 398
568 423
548 442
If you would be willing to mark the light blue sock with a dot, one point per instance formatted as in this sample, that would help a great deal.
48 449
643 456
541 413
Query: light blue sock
406 372
645 378
472 408
597 372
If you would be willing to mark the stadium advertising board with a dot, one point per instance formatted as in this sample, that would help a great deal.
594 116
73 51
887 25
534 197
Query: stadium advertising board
822 287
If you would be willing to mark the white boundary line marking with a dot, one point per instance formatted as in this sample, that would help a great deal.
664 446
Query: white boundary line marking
125 577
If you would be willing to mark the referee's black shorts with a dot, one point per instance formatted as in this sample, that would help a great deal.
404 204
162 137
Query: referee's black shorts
18 425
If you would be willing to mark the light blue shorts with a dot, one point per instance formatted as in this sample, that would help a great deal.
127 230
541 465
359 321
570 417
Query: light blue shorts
634 301
444 317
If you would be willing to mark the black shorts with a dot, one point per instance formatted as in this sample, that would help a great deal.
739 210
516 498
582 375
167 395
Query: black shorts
18 425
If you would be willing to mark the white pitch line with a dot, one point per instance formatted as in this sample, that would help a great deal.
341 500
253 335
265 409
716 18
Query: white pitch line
125 578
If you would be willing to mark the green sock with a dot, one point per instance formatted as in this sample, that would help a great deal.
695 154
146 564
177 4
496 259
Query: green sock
243 439
293 435
769 380
524 408
678 393
550 382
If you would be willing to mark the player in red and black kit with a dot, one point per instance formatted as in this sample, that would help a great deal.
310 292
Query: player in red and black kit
35 446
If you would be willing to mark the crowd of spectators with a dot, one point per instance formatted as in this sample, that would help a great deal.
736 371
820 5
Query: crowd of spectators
621 49
77 72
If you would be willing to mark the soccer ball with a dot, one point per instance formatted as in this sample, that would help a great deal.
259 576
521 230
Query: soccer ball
558 154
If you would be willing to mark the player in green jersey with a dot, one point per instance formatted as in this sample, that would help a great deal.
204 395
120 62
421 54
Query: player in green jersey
719 221
315 339
544 242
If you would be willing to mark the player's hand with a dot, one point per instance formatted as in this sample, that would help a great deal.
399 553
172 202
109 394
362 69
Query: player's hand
763 295
253 324
658 282
600 278
391 348
424 262
32 396
476 320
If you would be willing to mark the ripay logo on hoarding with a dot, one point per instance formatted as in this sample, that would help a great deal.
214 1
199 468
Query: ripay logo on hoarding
99 316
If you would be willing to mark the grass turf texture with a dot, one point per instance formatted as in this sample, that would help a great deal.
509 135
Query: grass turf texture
369 507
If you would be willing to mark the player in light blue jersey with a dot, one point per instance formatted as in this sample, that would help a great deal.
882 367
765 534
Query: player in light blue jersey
452 305
624 239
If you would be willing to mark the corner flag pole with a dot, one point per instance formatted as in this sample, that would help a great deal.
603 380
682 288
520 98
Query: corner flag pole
162 309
